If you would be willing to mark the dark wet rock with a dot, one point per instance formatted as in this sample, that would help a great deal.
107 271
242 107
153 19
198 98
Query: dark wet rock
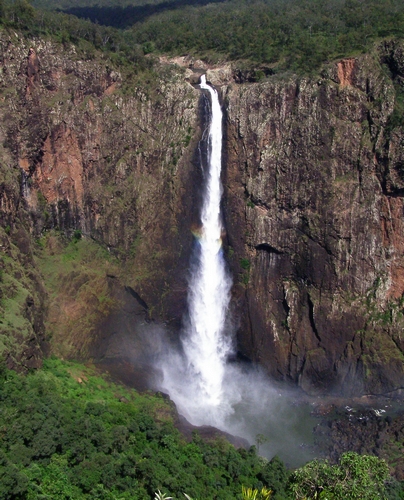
365 431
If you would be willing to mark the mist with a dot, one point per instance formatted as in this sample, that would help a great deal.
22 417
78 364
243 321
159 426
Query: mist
275 418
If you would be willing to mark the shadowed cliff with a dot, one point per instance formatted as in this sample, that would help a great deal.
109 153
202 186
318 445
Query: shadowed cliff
314 211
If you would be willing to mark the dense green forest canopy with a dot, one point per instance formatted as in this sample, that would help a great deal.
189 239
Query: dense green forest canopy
294 34
297 35
67 433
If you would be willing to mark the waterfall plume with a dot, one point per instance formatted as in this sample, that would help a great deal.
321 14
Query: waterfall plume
207 389
198 388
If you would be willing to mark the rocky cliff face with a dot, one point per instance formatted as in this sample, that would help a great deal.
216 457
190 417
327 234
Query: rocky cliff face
100 152
314 209
314 186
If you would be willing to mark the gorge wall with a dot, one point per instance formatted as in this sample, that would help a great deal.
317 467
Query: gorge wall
314 185
88 150
315 179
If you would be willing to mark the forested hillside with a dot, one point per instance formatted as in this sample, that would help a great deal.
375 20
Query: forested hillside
282 35
67 433
293 35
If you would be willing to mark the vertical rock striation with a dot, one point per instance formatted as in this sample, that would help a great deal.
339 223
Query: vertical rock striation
315 179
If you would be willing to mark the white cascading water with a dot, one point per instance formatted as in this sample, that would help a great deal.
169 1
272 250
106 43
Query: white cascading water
198 389
207 390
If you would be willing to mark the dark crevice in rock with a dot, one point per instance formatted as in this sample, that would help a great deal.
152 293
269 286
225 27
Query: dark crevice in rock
260 203
389 58
311 318
397 344
397 193
268 248
369 128
384 177
316 241
251 75
286 307
137 297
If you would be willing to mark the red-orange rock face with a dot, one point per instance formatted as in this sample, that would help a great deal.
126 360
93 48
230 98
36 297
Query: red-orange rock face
59 174
346 69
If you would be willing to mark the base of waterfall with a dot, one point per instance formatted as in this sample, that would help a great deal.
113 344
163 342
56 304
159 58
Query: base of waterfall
277 419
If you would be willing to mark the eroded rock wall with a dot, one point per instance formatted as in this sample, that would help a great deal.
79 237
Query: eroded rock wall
102 151
314 186
315 210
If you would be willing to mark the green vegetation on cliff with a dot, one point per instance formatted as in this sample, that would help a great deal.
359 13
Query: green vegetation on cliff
80 297
22 300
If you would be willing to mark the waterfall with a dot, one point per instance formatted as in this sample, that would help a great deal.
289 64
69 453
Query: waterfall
206 345
235 397
198 388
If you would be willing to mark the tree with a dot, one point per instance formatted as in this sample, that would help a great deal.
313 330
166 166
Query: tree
259 440
13 483
23 13
356 477
275 475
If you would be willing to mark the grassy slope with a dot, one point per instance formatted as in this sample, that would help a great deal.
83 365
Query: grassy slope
75 274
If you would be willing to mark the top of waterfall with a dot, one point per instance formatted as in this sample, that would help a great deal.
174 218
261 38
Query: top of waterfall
206 86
